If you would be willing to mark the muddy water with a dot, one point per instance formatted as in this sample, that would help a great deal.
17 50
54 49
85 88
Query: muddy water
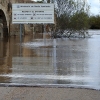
50 62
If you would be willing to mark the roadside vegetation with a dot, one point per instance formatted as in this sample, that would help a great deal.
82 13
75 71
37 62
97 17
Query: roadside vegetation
94 22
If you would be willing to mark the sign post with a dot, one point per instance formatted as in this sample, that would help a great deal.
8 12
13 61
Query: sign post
20 33
39 13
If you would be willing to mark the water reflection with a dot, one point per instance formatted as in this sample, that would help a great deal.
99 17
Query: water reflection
61 62
5 60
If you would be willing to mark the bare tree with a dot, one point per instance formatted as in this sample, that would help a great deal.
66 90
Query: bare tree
72 15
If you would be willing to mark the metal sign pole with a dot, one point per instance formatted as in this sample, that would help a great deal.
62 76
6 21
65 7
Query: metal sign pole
20 38
44 31
20 33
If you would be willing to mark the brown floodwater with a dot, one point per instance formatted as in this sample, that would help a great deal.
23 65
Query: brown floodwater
50 62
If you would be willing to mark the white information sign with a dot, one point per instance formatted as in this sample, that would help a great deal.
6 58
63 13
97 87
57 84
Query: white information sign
32 13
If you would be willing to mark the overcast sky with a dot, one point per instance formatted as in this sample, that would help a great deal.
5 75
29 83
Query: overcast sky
94 6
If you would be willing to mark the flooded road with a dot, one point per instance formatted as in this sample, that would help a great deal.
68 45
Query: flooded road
51 62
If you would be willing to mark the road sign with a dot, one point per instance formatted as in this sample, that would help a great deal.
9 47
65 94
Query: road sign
32 13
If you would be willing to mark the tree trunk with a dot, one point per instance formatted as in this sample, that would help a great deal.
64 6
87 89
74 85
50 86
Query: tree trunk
48 1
